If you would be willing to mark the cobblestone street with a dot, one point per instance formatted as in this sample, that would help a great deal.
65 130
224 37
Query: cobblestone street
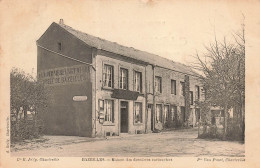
170 144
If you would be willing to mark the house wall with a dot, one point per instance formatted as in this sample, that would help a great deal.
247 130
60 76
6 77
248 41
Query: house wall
65 116
166 98
70 46
105 93
195 82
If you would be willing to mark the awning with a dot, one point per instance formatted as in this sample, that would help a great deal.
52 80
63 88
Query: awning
124 94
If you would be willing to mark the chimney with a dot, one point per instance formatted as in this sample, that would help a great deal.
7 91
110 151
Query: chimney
61 21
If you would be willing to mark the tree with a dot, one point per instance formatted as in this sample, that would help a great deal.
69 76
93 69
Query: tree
223 68
26 95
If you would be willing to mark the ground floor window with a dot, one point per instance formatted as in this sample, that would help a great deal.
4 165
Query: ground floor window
158 113
109 110
166 113
173 112
138 112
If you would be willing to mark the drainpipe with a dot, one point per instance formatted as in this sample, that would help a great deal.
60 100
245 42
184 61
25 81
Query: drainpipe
146 102
94 96
154 105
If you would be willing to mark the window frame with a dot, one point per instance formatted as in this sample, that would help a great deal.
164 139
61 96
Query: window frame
141 114
198 115
175 111
127 79
112 121
160 115
191 97
197 88
174 92
160 81
112 79
166 117
134 82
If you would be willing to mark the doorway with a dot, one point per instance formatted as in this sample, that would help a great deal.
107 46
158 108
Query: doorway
124 117
150 116
183 113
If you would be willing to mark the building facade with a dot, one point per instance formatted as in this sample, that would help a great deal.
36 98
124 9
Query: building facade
101 88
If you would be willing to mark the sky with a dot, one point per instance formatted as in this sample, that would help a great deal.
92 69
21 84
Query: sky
171 29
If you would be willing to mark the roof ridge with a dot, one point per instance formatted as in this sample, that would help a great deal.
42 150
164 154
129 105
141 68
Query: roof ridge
131 52
64 25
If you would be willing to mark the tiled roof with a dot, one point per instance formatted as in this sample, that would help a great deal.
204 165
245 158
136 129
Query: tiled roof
128 51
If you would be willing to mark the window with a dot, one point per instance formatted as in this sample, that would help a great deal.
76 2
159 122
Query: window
101 105
173 87
123 79
174 113
191 97
158 113
203 93
197 88
197 113
166 113
109 111
222 113
158 84
108 74
59 46
182 88
183 113
137 81
138 113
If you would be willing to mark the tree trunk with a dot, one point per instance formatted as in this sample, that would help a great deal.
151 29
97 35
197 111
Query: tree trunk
204 129
16 122
25 112
198 129
243 121
225 122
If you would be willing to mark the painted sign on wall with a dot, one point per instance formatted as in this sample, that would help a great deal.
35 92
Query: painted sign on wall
80 98
65 75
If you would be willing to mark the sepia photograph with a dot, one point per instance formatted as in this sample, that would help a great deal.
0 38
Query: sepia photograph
141 82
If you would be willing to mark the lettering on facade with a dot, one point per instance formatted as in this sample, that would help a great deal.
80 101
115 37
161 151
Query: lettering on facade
65 75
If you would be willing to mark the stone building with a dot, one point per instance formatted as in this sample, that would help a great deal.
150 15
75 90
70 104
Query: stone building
101 88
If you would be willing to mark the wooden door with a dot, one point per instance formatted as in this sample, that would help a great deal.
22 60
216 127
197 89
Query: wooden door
124 117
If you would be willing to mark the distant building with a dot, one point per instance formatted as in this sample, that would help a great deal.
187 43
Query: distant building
101 88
